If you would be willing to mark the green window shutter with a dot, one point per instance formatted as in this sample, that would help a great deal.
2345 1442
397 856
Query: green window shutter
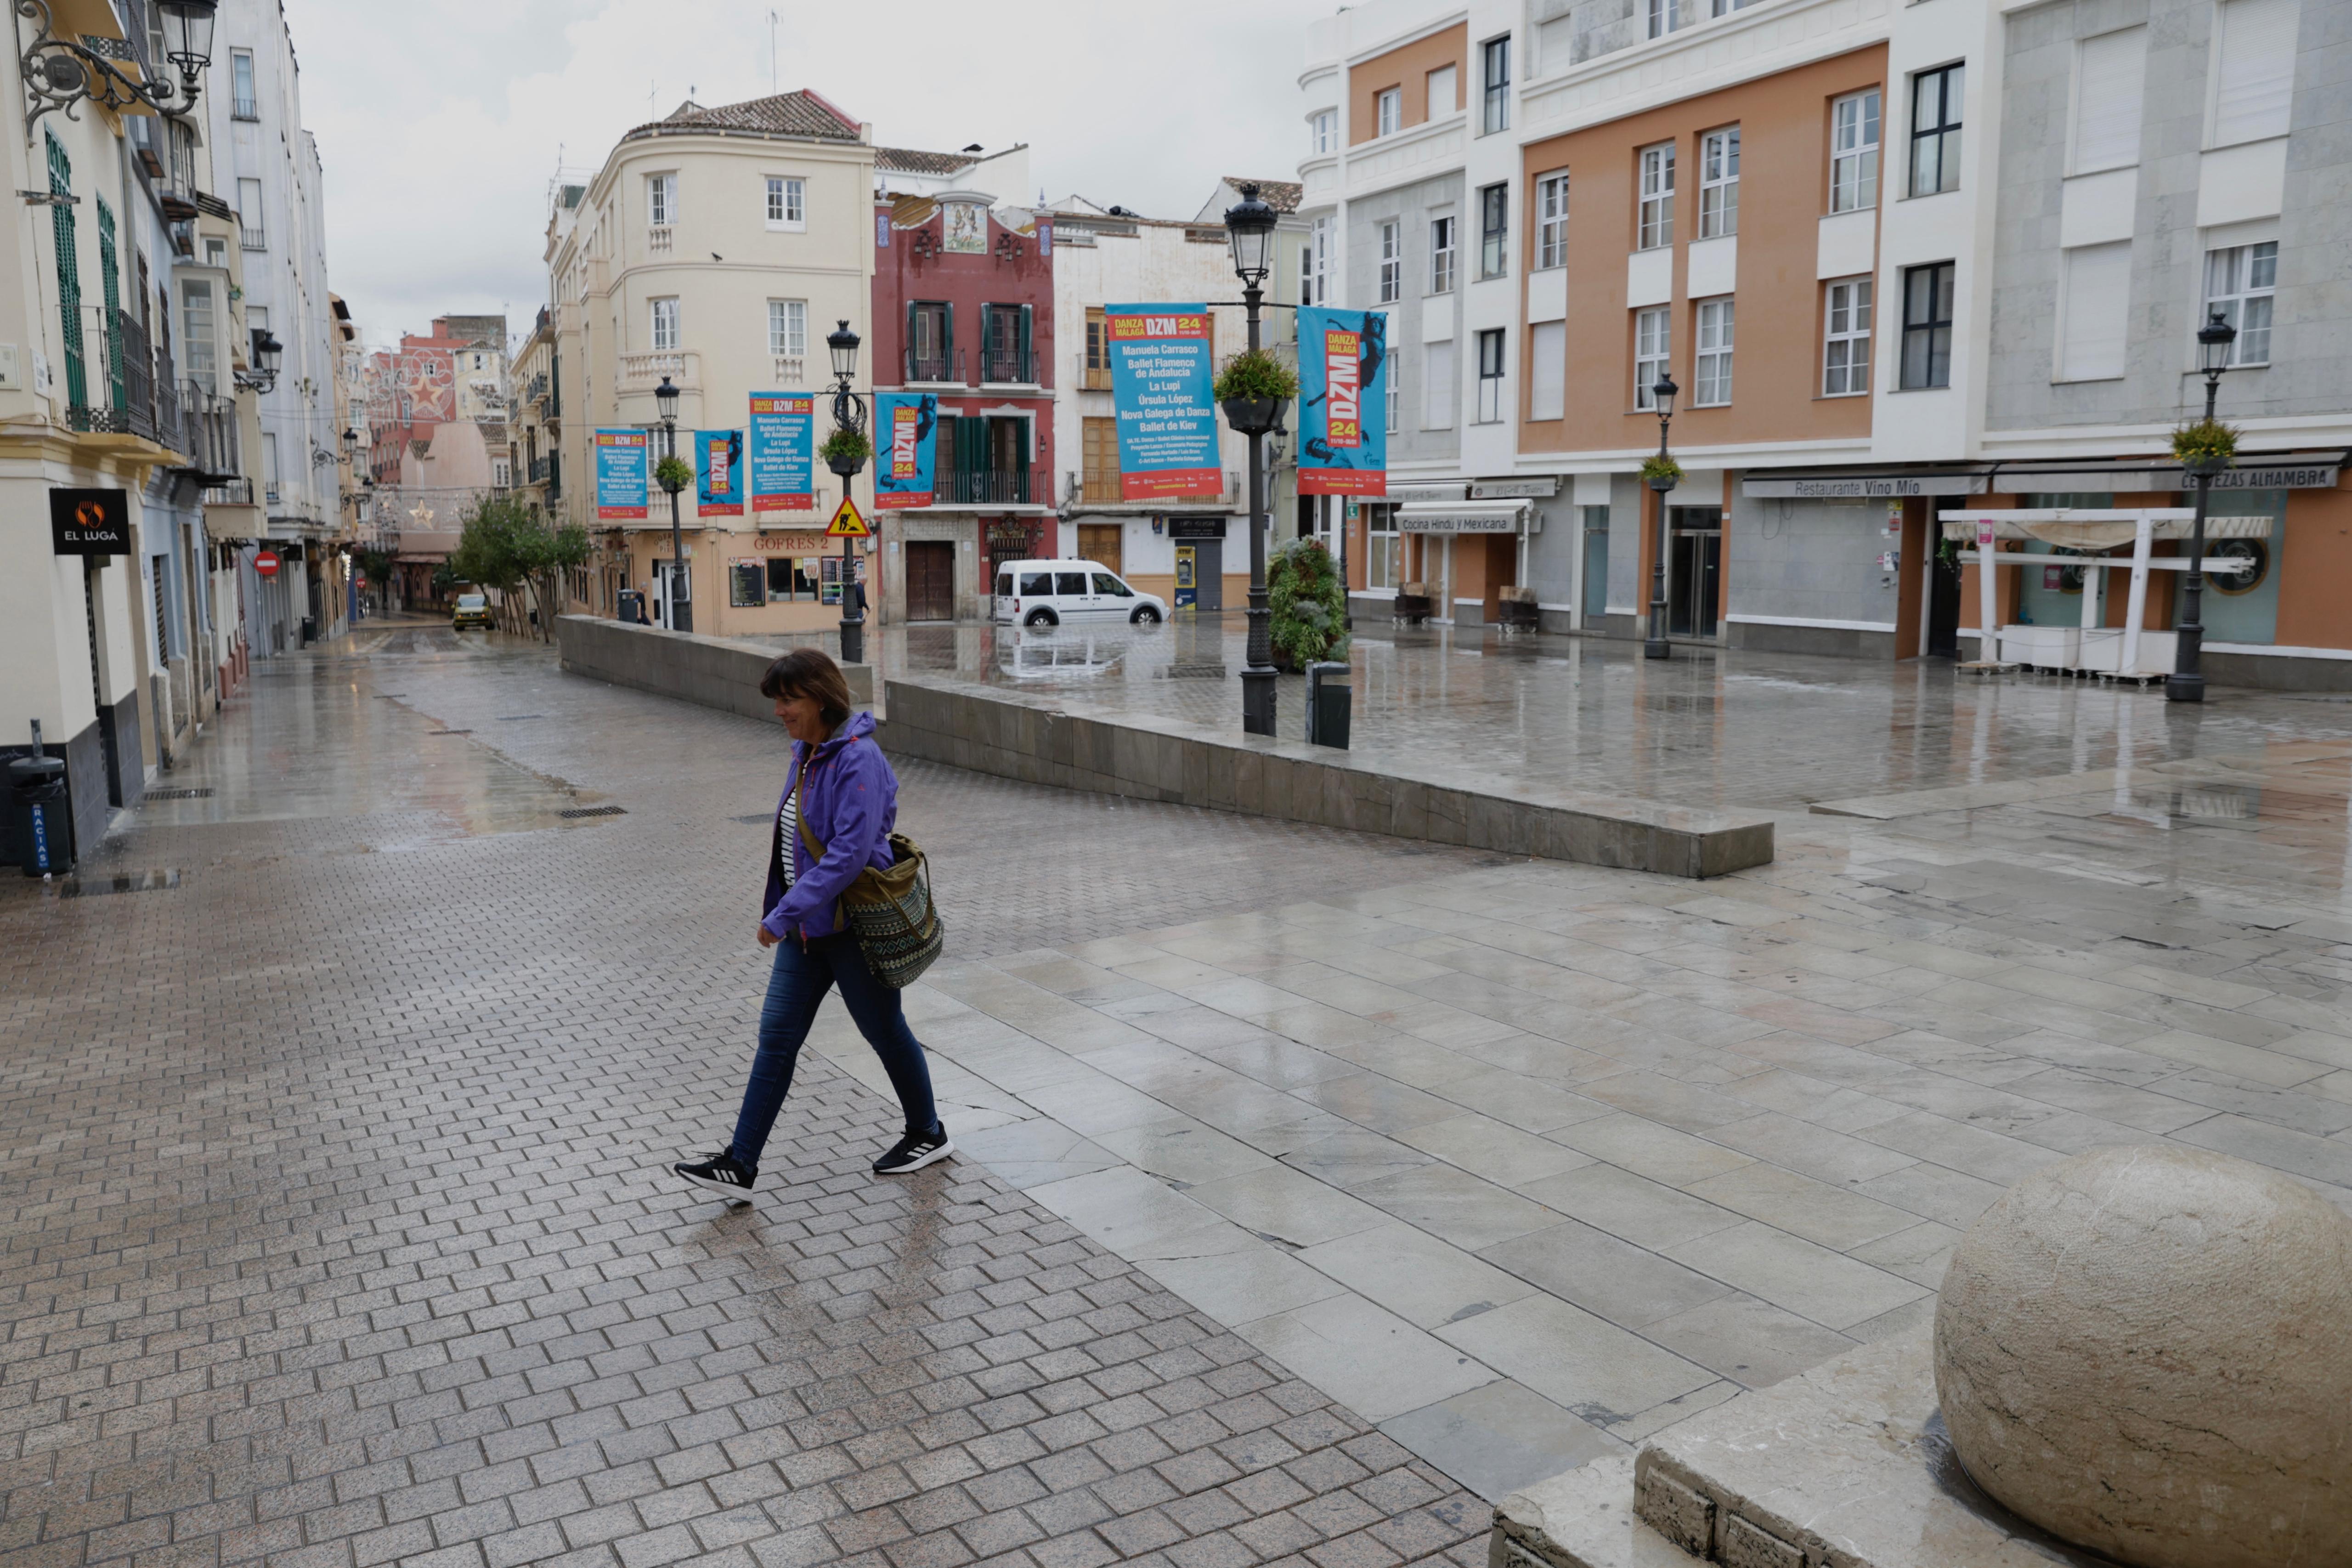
61 227
947 341
913 345
109 267
1028 371
972 446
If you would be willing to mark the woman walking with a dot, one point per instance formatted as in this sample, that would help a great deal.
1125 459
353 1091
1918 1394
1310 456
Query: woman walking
843 798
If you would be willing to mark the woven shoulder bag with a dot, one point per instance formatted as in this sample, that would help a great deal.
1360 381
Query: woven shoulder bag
890 911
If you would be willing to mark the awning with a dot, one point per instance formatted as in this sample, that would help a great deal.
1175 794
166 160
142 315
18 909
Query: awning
2108 533
235 520
1467 516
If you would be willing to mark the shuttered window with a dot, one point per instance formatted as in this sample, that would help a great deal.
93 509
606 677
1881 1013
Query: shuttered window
2255 85
1438 386
2107 79
1547 371
2098 297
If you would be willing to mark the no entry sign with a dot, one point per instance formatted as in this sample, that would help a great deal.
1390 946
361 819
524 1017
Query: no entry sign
266 563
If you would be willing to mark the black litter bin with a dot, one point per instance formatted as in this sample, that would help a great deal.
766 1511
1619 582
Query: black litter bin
310 631
1329 699
40 816
631 607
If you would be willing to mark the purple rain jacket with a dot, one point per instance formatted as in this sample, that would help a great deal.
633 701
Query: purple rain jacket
850 800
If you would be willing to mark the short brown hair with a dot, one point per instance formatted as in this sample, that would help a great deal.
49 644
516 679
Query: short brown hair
808 672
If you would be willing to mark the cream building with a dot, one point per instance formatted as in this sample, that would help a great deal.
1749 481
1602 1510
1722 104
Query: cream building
716 248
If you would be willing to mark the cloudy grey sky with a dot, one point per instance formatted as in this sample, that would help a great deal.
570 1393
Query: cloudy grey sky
441 122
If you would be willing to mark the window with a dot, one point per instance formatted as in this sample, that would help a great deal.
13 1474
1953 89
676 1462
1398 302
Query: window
1379 546
1390 108
257 318
787 203
661 199
1494 230
1664 17
2092 311
1443 94
1712 362
929 328
1110 587
664 326
1314 265
1935 131
2238 283
662 442
1490 376
1551 221
1441 255
1657 196
2254 87
1323 130
1392 262
788 328
1437 389
1036 585
1653 343
217 253
1097 366
1547 371
501 475
1853 152
1927 325
269 466
248 214
1719 183
2107 75
1845 339
1494 59
1395 395
243 102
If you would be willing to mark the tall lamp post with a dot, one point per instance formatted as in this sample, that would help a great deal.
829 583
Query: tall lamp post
1249 227
848 413
678 617
1655 645
2186 682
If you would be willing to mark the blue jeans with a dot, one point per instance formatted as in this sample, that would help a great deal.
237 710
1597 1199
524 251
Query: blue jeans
795 987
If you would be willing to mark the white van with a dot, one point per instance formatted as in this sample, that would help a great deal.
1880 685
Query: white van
1048 593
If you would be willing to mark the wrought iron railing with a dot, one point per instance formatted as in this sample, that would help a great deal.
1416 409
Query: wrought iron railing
944 366
1001 365
210 422
993 487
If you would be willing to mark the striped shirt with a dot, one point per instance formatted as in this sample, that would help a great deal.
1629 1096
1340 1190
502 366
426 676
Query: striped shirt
788 828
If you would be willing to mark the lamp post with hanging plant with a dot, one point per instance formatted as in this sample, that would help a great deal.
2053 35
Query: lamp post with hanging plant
1252 388
2204 448
1662 474
844 452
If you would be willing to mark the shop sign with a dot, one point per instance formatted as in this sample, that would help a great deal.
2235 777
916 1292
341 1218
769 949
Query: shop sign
1863 486
1463 523
2289 476
1196 528
89 522
1453 492
1514 489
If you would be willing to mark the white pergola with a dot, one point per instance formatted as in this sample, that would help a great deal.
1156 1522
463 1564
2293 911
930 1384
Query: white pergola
2132 652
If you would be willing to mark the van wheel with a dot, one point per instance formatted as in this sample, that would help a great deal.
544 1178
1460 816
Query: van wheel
1145 615
1043 618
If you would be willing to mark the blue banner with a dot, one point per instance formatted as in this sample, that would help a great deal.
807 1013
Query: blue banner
783 451
1343 443
905 426
719 473
620 473
1160 380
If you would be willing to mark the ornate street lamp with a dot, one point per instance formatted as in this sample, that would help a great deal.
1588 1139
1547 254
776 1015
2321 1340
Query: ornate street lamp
678 616
1662 392
1249 229
849 414
2215 339
60 71
263 376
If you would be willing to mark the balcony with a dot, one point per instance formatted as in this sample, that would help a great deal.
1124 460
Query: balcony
1100 484
1008 367
789 370
642 372
208 423
1097 378
994 487
659 239
943 369
245 109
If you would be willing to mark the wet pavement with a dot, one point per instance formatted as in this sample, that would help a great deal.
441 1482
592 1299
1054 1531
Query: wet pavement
1315 1183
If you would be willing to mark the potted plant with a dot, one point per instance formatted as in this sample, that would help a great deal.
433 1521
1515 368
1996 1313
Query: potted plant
1309 606
845 451
1662 472
673 474
1253 387
2206 446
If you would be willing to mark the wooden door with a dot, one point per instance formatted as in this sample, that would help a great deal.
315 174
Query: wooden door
1100 542
930 581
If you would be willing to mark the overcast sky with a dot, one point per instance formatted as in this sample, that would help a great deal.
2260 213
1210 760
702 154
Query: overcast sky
441 122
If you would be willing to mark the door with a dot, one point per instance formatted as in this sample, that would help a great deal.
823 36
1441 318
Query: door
1075 597
931 580
1438 569
1596 565
1209 575
1100 544
1944 601
1694 574
680 617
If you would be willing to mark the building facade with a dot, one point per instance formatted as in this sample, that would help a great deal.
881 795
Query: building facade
1897 259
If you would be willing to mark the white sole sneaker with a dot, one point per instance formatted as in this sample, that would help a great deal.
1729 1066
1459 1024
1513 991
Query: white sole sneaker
931 1158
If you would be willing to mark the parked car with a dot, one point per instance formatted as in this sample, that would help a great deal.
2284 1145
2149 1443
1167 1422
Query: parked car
473 610
1047 593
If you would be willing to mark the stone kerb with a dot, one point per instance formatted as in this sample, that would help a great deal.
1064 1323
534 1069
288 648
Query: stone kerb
712 672
1154 758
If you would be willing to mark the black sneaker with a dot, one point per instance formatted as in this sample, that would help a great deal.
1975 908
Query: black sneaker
720 1173
914 1152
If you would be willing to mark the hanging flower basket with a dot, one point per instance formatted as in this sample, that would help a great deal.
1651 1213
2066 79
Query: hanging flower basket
845 451
2207 446
1252 389
1662 474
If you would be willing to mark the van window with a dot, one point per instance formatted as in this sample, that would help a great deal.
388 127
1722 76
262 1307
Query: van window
1004 585
1070 582
1106 584
1036 585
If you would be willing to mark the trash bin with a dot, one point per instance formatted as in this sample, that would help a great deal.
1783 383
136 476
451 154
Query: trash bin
40 815
310 631
631 606
1330 697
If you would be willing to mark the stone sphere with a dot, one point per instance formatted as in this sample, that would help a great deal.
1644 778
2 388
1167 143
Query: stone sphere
2149 1351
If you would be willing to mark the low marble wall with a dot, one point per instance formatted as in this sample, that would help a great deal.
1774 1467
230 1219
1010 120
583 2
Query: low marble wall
1160 759
711 672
